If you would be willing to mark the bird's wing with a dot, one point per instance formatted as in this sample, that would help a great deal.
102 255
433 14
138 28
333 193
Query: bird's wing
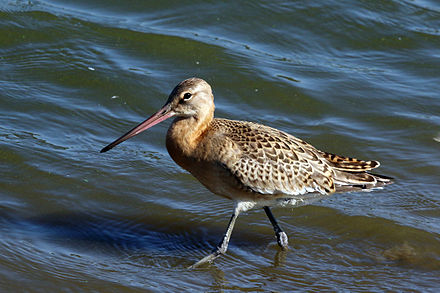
349 164
270 161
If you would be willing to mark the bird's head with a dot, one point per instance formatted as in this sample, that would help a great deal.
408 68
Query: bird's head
191 98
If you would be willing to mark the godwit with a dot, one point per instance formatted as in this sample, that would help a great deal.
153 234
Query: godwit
249 163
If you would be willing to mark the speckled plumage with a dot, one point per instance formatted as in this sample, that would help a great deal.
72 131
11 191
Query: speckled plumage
252 164
273 162
258 162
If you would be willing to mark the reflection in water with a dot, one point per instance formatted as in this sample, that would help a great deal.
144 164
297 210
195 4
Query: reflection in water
219 281
151 241
280 257
406 254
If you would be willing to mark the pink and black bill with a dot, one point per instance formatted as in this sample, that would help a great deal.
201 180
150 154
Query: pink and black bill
164 113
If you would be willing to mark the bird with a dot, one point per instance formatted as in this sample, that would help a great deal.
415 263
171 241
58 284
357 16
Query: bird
254 165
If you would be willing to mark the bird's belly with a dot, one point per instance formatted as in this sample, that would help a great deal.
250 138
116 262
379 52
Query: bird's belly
219 181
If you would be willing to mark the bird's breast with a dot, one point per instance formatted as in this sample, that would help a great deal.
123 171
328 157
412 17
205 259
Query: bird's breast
203 157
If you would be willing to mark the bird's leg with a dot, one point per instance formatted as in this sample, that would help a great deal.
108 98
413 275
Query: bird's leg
223 245
282 239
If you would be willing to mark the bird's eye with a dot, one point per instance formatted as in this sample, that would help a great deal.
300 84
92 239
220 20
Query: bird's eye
187 96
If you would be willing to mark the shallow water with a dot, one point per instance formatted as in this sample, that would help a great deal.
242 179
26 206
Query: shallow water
355 78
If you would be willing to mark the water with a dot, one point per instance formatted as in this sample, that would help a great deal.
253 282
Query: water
355 78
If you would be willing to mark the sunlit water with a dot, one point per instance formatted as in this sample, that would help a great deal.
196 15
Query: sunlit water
355 78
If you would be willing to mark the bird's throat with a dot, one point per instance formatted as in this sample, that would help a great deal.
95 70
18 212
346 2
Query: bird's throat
185 134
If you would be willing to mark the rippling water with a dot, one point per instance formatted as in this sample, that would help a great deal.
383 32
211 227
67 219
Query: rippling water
355 78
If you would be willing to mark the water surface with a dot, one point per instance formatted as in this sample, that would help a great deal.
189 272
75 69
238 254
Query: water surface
358 79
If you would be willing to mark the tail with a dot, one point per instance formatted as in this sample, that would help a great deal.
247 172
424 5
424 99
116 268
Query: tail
348 182
351 174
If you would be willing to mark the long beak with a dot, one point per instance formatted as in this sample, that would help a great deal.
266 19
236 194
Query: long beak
160 116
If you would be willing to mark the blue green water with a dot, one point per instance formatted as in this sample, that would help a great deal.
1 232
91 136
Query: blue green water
356 78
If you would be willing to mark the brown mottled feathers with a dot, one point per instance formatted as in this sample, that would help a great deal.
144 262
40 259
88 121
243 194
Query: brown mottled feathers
349 164
269 161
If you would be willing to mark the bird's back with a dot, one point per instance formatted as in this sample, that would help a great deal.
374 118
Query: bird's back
268 161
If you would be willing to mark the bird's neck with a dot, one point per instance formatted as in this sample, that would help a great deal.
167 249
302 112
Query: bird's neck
185 133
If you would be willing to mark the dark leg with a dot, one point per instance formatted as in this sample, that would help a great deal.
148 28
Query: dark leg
223 245
282 239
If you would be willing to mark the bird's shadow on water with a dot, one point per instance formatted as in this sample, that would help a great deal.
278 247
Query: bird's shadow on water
138 237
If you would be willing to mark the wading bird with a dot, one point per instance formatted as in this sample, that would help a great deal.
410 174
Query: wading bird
252 164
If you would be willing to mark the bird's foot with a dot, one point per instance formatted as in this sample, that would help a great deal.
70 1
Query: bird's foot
282 240
211 257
